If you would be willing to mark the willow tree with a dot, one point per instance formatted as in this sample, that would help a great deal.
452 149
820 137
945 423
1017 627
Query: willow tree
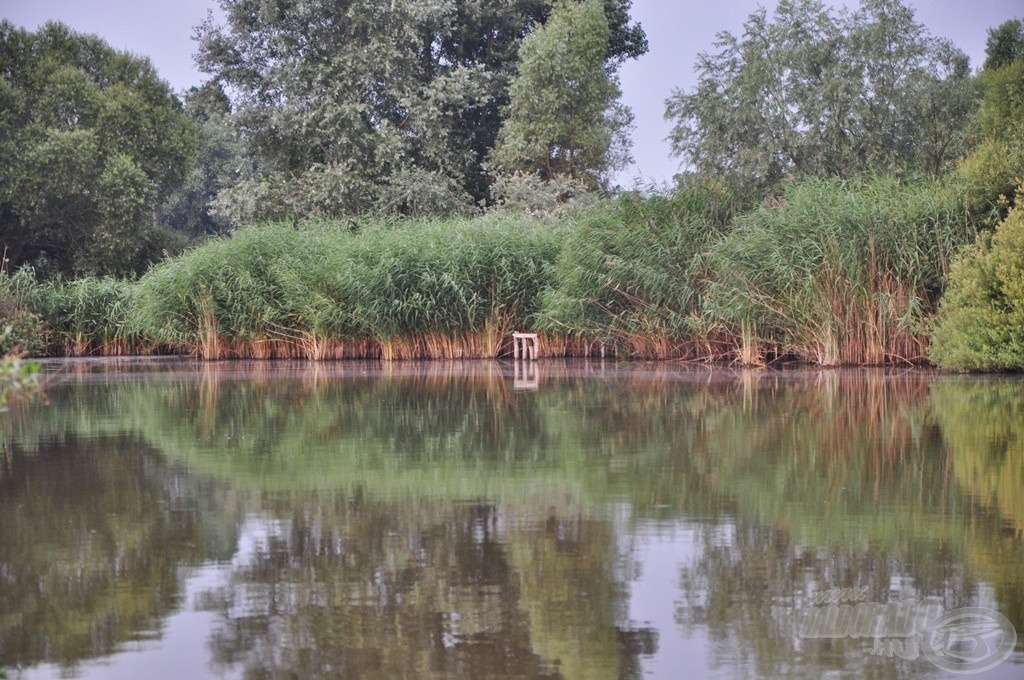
350 106
816 91
565 118
993 170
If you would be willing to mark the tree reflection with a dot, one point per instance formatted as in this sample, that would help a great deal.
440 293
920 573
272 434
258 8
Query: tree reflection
439 523
91 537
353 587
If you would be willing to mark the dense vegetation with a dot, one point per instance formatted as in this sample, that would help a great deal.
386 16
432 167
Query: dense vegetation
425 204
91 143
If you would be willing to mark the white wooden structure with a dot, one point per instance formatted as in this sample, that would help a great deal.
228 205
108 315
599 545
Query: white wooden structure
525 345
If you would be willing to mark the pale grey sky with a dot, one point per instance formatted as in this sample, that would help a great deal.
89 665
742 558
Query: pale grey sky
677 31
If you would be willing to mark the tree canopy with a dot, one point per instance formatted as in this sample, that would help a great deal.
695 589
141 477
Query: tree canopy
91 142
1005 44
813 91
351 106
565 120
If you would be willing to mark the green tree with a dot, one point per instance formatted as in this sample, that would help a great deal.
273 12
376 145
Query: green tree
91 142
565 117
1005 45
221 162
814 91
350 106
996 165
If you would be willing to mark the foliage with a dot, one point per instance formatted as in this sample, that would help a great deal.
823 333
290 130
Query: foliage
629 277
376 105
1005 45
220 164
553 198
18 377
816 92
91 142
22 330
564 113
411 289
980 324
837 271
996 165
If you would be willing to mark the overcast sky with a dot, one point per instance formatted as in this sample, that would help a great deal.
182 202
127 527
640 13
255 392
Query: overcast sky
677 31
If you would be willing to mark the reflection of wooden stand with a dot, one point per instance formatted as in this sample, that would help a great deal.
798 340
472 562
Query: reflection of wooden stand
527 376
527 342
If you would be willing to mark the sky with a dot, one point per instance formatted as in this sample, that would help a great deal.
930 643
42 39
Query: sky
677 31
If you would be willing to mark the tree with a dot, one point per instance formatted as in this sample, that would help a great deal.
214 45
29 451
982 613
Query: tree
220 163
565 117
1005 45
350 106
994 167
91 142
818 92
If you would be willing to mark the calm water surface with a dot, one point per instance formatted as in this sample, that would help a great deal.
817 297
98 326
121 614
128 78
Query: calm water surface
170 519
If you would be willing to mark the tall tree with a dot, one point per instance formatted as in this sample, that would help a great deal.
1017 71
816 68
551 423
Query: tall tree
1005 44
221 162
814 91
565 117
994 167
355 105
91 142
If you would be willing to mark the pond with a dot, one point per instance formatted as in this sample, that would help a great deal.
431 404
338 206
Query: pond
176 519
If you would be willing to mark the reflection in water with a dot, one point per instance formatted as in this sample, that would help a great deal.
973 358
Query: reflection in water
439 520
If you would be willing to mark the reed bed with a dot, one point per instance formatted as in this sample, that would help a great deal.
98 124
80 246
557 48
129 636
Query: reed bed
91 316
836 272
406 290
628 281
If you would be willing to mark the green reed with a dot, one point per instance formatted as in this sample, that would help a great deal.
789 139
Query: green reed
395 290
836 271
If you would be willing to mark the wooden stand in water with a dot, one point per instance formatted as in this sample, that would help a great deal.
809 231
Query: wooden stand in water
528 343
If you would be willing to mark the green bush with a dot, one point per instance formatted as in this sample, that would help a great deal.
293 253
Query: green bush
22 330
980 324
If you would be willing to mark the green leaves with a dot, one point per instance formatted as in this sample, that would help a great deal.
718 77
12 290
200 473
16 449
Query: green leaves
565 119
91 141
396 104
980 325
814 92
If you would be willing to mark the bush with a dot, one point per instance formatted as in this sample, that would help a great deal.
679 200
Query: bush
22 331
980 324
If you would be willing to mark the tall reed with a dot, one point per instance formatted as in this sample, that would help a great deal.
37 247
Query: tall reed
91 315
628 280
836 272
393 290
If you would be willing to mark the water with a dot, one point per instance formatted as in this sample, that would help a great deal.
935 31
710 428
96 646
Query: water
169 519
